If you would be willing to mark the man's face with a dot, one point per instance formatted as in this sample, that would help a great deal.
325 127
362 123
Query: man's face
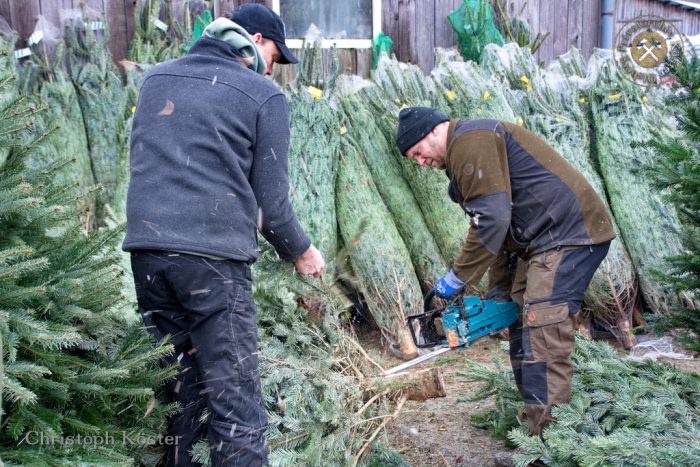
269 50
429 151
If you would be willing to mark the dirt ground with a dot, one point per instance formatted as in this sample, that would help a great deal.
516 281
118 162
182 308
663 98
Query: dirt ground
437 432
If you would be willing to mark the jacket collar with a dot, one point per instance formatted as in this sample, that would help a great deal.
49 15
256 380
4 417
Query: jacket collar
215 48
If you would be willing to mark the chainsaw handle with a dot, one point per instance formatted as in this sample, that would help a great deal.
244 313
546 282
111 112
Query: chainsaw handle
428 301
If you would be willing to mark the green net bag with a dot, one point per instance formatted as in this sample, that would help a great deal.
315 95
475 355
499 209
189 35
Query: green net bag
380 45
475 27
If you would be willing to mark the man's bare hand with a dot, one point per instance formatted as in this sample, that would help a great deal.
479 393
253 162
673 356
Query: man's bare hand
310 263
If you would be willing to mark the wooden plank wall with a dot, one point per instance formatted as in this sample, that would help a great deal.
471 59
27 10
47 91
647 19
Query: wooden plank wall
686 22
572 23
22 15
416 26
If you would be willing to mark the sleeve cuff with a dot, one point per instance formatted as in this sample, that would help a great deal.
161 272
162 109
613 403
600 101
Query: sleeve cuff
289 240
453 281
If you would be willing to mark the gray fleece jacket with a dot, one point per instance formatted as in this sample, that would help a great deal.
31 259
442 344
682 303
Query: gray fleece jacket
209 160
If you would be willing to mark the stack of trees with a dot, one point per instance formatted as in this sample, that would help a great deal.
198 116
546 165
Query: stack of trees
385 226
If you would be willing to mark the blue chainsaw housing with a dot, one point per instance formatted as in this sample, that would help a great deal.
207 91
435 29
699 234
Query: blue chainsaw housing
462 323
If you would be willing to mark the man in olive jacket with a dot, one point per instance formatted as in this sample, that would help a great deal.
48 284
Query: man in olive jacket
208 170
536 224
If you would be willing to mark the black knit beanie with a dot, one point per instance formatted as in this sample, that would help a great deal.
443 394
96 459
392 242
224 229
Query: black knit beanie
414 124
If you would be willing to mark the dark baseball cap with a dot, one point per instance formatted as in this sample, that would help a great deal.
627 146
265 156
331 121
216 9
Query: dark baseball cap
254 18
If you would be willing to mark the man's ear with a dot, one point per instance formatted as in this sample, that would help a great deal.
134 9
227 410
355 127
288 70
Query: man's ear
257 37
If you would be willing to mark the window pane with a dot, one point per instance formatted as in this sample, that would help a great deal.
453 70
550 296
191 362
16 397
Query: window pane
337 19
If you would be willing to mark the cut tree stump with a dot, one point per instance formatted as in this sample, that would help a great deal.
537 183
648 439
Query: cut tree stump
416 385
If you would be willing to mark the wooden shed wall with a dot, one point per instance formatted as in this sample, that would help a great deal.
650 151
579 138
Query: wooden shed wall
416 26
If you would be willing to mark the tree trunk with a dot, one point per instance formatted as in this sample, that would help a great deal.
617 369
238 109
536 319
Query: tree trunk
406 345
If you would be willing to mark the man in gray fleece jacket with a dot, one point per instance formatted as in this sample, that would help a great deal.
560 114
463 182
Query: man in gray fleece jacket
208 170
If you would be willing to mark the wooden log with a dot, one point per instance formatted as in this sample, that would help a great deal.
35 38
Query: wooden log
416 386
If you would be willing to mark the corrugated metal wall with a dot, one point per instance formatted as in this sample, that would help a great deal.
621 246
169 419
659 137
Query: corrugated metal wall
416 26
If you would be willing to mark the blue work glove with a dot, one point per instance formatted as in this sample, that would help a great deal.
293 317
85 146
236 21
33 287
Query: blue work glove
447 285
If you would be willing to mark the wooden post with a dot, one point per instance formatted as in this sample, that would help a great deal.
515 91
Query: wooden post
115 15
24 15
406 33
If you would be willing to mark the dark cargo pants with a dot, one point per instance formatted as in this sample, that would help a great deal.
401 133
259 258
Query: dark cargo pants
549 288
206 306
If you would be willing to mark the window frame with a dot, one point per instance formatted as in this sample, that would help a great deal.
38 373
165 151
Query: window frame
342 43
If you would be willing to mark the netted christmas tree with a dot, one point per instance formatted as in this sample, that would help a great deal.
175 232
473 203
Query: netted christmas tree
102 98
404 85
160 35
76 378
383 160
624 115
377 254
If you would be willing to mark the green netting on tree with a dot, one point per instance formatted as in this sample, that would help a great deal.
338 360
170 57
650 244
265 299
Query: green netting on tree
399 85
384 163
475 27
200 24
380 45
376 252
548 104
623 117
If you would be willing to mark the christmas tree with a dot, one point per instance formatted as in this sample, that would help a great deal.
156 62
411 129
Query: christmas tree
76 380
677 173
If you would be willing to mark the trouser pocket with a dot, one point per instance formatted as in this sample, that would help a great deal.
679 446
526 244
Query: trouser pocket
242 328
551 330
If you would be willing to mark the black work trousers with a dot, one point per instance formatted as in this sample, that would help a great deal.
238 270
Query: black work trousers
206 306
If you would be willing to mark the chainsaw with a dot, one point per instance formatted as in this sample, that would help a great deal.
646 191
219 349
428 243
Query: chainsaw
460 323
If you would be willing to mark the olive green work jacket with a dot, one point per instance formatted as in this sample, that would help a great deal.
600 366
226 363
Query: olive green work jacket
521 196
